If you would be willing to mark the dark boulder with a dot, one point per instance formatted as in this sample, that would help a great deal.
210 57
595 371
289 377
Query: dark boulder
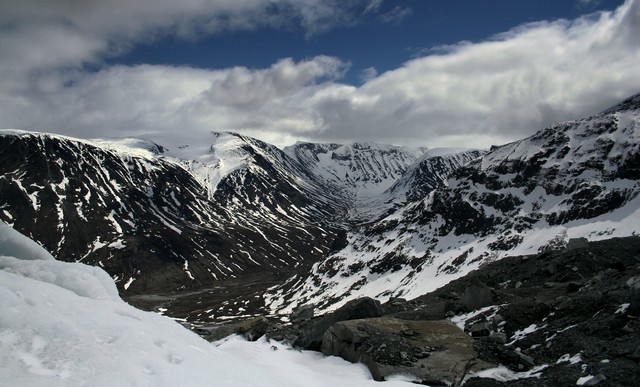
303 313
477 296
312 331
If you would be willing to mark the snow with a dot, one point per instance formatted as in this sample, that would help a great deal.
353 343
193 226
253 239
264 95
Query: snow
567 358
583 380
622 309
461 320
503 374
63 324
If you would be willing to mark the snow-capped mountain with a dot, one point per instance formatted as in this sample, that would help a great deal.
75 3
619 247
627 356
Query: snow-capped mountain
239 225
431 171
160 219
574 179
359 172
157 223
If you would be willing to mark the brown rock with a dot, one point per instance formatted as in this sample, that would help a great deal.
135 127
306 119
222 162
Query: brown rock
438 351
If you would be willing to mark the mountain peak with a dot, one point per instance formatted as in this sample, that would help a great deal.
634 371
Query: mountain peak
629 103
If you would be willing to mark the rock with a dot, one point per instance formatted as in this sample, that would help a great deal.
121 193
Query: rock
477 296
634 282
439 352
497 321
397 301
480 329
454 307
251 329
573 287
311 333
552 267
303 313
498 338
518 285
577 243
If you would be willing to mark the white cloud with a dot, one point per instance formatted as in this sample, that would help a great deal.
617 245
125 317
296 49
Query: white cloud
396 15
469 94
368 74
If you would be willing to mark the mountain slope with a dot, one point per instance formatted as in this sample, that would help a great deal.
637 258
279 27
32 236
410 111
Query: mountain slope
358 172
151 221
575 179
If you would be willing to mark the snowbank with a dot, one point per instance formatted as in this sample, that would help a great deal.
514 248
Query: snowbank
63 324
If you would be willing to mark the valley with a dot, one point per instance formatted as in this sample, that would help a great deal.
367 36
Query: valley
314 223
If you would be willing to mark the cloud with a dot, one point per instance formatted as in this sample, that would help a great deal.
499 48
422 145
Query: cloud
368 74
44 34
468 94
588 3
396 15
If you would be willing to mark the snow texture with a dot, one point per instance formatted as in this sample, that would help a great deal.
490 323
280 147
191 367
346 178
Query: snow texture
63 324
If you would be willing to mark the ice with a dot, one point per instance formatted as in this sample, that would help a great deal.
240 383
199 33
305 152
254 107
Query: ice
17 245
63 324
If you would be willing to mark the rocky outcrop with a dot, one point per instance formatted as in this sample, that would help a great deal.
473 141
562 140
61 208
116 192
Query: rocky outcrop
310 336
435 352
553 319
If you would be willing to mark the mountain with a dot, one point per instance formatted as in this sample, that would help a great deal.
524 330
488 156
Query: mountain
578 179
237 227
156 223
181 221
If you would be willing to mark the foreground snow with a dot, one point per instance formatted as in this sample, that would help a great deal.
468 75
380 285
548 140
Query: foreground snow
63 324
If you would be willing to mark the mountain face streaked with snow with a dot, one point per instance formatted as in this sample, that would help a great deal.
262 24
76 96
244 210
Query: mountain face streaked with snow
159 223
315 223
158 220
575 179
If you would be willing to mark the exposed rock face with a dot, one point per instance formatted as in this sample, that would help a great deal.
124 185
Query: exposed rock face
575 313
312 332
303 313
555 318
435 352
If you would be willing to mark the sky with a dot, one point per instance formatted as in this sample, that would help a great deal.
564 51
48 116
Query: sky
407 72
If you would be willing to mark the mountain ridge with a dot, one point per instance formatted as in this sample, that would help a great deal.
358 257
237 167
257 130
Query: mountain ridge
574 179
240 227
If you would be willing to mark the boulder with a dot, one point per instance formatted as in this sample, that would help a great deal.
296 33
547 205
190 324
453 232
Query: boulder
498 338
477 296
577 243
480 329
311 333
437 352
453 306
303 313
